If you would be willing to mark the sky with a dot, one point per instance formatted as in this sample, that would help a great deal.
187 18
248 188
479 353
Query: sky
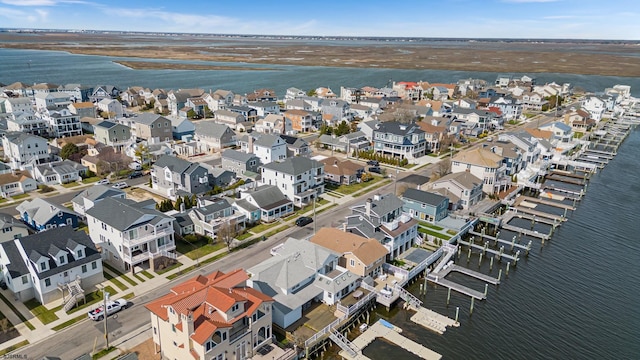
546 19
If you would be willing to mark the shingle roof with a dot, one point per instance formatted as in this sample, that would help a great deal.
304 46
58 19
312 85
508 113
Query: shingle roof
59 238
147 118
210 128
424 197
123 214
268 197
266 140
367 250
41 211
174 163
394 127
479 157
237 155
464 178
294 165
95 193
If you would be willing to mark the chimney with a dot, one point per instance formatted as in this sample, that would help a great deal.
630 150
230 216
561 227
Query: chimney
367 207
250 145
377 197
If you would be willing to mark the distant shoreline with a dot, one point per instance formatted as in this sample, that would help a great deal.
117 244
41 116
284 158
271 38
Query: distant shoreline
581 57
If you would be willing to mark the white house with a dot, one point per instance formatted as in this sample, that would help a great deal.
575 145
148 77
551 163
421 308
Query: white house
299 178
111 107
40 265
484 165
596 106
87 198
267 147
131 233
25 149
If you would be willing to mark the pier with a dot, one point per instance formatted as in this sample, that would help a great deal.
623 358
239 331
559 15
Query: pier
432 320
548 202
391 333
496 240
485 249
457 287
565 179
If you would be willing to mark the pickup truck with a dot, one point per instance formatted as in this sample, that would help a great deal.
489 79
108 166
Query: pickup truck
112 308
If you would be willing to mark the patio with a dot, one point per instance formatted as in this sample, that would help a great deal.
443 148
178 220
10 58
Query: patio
312 321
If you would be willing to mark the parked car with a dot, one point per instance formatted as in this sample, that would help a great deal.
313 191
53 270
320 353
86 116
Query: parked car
373 163
375 169
304 220
113 307
121 185
135 174
103 182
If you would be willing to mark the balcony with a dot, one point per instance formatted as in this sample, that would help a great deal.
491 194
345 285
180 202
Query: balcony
147 237
238 334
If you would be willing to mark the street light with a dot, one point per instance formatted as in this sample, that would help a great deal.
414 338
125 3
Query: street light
105 295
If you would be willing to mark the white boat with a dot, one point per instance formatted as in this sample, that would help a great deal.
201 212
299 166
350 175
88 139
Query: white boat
363 327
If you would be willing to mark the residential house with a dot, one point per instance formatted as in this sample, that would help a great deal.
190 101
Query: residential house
131 233
296 146
176 100
433 135
350 94
361 256
462 188
525 142
340 109
299 274
182 128
425 205
264 108
367 128
512 156
299 104
483 164
197 104
481 118
266 201
382 218
344 172
43 215
112 108
262 95
40 265
408 90
301 120
509 106
533 101
104 92
596 106
267 147
25 149
345 143
92 195
561 131
219 176
16 183
152 127
15 104
212 317
219 100
249 114
12 228
62 122
171 175
113 134
273 124
78 93
27 122
212 136
300 179
17 89
51 100
240 162
229 118
210 216
294 93
405 141
58 173
104 159
83 109
361 112
579 120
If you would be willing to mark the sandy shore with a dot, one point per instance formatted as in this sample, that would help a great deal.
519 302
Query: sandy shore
589 59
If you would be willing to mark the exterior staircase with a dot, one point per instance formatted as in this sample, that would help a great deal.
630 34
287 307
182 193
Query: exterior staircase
408 297
343 342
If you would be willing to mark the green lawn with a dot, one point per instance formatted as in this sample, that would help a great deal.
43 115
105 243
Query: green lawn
191 268
120 274
18 313
434 233
197 249
244 236
20 196
69 322
169 268
115 281
147 274
276 230
325 209
11 348
262 227
103 352
378 185
70 185
430 226
140 278
91 180
350 189
40 311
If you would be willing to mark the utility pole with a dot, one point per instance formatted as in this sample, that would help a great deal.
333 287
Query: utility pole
105 295
315 224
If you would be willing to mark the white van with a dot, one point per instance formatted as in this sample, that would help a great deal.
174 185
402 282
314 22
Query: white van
135 166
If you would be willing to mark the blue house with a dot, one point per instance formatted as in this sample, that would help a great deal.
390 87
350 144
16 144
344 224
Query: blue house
424 205
42 215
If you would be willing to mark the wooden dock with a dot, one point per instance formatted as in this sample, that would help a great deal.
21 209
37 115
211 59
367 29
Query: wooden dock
502 241
548 202
486 249
457 287
392 334
565 179
540 216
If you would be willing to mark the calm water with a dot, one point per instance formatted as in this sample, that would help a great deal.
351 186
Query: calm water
576 298
32 66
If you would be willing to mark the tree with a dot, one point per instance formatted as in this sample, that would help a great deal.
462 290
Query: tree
311 92
68 150
142 153
227 232
191 114
342 129
444 167
179 202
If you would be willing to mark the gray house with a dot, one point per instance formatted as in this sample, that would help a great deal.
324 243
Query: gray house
86 199
212 136
112 134
211 214
424 205
171 174
240 162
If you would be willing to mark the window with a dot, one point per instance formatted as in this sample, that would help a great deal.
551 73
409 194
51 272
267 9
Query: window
352 262
61 258
173 328
84 268
94 265
79 253
47 282
25 279
235 307
43 266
